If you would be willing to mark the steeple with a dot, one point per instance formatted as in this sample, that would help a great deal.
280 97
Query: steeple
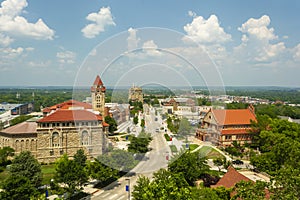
98 81
98 95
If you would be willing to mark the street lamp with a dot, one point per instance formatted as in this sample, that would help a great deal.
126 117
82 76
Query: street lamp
128 188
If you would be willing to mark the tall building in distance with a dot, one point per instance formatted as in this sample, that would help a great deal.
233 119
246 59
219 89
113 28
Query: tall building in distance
135 94
98 96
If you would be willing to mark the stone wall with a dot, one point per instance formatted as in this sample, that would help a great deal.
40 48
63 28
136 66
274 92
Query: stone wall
70 140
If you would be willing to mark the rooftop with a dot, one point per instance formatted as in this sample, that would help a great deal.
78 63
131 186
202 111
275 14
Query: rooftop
231 178
71 115
234 116
22 128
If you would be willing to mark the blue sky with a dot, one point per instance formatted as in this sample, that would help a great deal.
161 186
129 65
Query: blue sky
56 42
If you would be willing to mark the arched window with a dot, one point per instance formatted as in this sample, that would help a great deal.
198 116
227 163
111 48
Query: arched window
55 139
85 138
98 98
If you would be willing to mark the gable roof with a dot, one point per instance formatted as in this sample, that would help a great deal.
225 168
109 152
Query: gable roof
71 116
231 178
234 116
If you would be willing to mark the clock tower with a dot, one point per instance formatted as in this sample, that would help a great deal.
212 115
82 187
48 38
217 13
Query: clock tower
98 95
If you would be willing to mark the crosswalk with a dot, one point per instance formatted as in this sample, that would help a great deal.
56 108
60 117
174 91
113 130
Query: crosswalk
123 127
110 195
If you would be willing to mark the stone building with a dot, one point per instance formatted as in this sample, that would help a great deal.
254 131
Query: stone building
21 137
64 128
135 94
98 96
66 131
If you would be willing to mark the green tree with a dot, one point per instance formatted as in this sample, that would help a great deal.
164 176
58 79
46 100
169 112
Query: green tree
27 166
80 158
286 184
143 123
135 120
248 190
204 194
17 187
118 159
98 170
220 162
71 173
138 145
184 127
191 165
113 126
5 152
165 185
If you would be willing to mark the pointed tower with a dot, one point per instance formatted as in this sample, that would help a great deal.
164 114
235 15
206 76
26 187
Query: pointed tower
98 95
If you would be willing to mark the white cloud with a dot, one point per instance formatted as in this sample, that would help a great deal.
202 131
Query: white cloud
9 53
296 53
151 48
258 28
192 14
11 23
66 57
256 45
206 31
5 40
100 21
132 39
12 7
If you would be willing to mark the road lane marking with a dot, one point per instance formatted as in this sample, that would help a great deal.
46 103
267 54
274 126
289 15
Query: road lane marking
113 196
105 195
98 193
121 197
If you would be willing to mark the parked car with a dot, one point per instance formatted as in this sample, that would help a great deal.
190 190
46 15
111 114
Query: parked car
237 162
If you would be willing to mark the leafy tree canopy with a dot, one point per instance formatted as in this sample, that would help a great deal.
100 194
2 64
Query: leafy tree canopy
27 166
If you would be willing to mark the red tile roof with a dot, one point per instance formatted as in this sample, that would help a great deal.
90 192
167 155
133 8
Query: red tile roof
68 104
105 124
231 178
98 85
234 116
98 81
70 116
235 131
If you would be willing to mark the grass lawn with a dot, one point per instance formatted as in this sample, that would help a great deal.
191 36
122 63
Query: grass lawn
173 148
47 170
210 152
193 146
48 173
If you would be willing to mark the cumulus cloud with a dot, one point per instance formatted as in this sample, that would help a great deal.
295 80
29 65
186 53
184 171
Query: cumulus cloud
151 48
66 57
258 28
12 23
206 31
132 39
256 42
100 21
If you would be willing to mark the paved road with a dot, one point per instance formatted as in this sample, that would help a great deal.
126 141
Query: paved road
154 160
